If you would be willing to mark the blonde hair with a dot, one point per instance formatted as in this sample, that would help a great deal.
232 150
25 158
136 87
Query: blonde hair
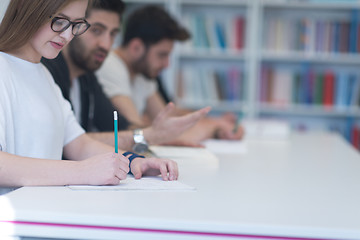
23 18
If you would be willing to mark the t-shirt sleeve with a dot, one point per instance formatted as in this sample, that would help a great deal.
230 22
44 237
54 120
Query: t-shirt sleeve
113 77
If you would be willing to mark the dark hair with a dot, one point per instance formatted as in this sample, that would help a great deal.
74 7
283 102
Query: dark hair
152 24
116 6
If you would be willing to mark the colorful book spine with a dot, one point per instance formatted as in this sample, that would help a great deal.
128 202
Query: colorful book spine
354 22
355 137
342 81
328 88
263 84
318 89
240 33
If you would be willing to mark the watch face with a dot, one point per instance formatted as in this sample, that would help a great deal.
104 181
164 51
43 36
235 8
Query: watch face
138 138
140 147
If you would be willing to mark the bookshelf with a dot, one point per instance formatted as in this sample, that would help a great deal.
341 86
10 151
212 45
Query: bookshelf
311 42
297 40
217 56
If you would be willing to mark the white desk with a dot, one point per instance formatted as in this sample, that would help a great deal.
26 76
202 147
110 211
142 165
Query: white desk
304 189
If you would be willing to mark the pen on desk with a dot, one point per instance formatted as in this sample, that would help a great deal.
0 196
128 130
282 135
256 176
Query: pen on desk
116 131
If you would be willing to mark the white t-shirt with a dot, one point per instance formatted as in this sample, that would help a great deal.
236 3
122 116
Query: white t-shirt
115 80
35 120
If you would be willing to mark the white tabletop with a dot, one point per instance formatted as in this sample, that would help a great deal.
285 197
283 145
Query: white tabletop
305 188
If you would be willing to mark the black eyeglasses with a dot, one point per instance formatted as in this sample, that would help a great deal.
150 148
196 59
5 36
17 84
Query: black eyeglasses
60 24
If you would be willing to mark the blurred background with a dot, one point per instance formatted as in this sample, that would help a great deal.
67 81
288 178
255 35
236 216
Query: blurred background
294 61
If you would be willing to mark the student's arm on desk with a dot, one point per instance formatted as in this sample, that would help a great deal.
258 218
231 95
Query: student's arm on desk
84 147
221 127
210 127
165 129
139 166
187 134
24 171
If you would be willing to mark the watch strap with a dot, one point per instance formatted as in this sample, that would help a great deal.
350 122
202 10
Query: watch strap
131 157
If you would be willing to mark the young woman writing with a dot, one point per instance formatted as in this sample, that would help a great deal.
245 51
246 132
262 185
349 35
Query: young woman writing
37 126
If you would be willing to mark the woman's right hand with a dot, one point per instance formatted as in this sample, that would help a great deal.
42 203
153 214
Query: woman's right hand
105 169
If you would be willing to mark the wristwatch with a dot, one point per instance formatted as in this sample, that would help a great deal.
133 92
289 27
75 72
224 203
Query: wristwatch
140 145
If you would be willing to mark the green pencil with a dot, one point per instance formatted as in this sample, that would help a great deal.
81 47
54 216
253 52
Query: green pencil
116 131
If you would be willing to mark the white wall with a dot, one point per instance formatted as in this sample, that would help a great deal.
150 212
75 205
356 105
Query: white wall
3 6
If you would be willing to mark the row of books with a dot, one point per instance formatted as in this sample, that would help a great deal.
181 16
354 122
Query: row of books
196 86
312 35
215 33
283 86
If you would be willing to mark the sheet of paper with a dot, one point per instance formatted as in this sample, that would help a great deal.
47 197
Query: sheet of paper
143 184
218 146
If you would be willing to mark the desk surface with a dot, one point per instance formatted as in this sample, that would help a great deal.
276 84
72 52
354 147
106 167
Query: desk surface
306 188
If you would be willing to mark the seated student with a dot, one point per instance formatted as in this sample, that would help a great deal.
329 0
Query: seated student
128 74
73 72
37 125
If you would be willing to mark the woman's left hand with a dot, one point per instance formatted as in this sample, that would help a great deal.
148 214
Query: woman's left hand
153 167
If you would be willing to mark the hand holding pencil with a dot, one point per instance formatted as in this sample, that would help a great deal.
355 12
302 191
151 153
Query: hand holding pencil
144 166
229 127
